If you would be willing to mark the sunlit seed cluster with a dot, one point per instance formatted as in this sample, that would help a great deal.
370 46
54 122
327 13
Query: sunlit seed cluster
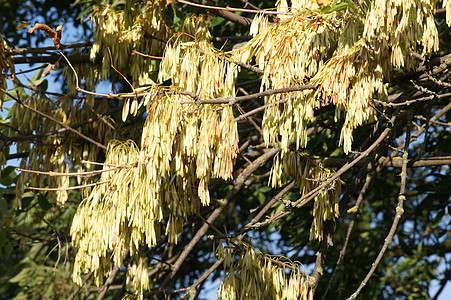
308 175
54 152
138 27
295 6
290 52
349 81
137 277
347 55
402 26
6 64
447 7
182 146
254 276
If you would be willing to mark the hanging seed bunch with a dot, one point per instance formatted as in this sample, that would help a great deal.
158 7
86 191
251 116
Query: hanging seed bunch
402 26
54 152
256 276
105 223
356 74
138 27
6 65
138 277
348 55
290 53
209 135
308 175
447 6
165 179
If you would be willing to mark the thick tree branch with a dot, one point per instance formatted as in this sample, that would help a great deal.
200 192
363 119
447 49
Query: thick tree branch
242 21
51 58
395 162
108 283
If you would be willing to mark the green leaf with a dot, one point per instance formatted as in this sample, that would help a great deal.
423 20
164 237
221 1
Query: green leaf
3 239
41 83
43 202
337 7
27 198
38 74
17 93
8 175
8 249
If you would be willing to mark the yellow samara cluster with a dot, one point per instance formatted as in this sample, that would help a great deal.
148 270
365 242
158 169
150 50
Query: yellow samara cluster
257 276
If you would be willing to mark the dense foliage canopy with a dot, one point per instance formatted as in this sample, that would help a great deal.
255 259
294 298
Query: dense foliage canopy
288 150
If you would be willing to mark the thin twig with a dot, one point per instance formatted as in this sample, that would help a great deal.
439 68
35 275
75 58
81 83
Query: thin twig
55 120
251 120
60 189
399 211
253 11
263 107
84 174
268 205
114 68
38 293
146 55
203 277
348 233
408 102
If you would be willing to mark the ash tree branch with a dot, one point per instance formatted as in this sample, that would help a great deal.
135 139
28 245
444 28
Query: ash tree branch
108 283
261 213
58 131
398 214
75 292
242 21
51 58
395 162
233 100
23 51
